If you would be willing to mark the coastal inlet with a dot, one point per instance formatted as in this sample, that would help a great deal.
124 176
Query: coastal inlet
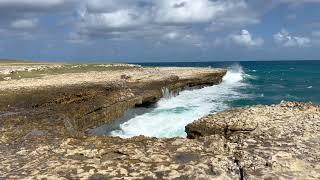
75 102
168 117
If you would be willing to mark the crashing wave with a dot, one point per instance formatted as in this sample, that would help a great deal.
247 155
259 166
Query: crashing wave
171 115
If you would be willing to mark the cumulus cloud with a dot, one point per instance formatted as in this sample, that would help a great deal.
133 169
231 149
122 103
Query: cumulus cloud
24 23
216 14
30 2
124 18
174 11
19 17
183 37
170 21
187 11
246 39
107 17
32 5
283 38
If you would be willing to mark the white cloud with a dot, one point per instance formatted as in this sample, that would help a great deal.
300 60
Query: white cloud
100 6
22 24
169 20
18 17
34 5
124 18
171 35
226 12
283 38
246 39
187 11
184 38
106 18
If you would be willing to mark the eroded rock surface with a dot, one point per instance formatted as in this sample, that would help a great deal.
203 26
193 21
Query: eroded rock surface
108 157
272 141
261 142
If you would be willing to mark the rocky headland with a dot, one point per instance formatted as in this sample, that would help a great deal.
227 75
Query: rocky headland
44 120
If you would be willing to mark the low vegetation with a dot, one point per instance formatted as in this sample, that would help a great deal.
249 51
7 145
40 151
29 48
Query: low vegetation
19 70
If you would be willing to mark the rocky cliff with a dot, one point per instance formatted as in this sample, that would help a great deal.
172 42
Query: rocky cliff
69 104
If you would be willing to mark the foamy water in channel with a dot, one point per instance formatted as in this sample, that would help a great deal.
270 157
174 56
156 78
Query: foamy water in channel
170 115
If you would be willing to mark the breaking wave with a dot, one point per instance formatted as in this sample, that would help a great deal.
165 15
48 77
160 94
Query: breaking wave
170 115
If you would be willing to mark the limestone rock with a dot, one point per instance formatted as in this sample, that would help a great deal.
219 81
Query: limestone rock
279 141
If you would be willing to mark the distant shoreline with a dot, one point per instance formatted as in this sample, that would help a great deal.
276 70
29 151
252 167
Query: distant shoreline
21 61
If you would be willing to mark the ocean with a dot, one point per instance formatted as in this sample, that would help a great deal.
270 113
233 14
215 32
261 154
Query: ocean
246 84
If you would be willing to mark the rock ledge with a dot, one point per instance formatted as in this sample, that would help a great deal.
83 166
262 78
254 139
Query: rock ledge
260 142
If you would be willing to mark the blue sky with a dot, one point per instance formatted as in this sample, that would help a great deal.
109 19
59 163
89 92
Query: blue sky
159 30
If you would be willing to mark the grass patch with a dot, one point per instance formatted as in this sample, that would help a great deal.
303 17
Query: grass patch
63 69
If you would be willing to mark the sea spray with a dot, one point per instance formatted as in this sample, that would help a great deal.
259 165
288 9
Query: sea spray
172 113
235 74
167 93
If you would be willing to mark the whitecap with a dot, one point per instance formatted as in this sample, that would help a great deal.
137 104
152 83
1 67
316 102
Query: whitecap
171 115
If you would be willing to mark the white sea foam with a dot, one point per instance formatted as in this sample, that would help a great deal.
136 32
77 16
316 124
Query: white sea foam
171 115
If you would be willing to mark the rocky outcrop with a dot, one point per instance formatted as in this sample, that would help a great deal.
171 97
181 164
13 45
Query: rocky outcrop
282 143
271 141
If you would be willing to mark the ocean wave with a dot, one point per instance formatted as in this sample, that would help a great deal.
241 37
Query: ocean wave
171 115
234 74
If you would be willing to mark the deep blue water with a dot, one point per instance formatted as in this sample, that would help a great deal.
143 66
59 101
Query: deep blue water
270 81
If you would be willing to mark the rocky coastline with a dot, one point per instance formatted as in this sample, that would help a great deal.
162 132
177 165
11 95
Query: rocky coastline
43 124
73 103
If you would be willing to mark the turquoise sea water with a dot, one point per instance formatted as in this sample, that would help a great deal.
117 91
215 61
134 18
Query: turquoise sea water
270 81
246 83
